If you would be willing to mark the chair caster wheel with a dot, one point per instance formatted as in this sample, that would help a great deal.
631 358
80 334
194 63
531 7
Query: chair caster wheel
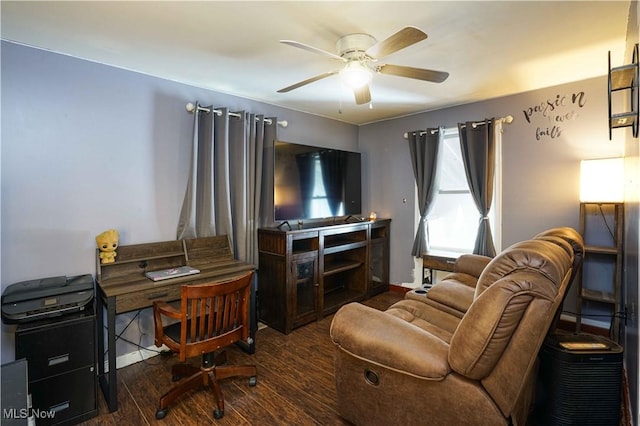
218 414
160 414
253 381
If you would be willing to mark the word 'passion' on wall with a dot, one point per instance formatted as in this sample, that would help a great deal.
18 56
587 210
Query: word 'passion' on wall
555 111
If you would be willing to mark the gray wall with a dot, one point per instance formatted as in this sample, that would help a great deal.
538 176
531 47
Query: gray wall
88 147
540 175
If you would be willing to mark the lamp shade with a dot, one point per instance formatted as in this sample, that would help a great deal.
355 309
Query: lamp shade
602 180
355 75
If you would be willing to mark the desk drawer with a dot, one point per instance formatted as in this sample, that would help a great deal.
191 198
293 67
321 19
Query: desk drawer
439 263
145 298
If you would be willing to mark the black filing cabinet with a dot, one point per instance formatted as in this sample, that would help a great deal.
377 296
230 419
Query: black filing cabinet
61 355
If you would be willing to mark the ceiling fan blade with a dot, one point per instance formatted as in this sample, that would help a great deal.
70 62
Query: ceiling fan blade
403 38
362 94
410 72
307 81
312 49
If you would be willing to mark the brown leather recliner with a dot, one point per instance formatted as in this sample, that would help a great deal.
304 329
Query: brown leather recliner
401 367
451 297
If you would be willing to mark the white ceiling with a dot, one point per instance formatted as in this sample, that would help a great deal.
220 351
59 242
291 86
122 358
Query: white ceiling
490 49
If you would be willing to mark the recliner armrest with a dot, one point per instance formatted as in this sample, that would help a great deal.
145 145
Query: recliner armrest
389 341
471 264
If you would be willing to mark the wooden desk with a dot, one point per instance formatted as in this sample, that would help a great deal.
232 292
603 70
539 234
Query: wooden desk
440 261
122 287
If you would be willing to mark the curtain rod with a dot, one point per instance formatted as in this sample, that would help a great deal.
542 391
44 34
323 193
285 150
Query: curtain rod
508 119
191 108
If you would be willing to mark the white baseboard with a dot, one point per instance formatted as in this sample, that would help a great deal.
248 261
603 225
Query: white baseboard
136 356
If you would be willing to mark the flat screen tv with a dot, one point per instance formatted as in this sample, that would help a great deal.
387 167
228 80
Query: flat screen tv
313 183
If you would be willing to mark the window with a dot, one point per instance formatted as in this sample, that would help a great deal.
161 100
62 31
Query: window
453 219
319 202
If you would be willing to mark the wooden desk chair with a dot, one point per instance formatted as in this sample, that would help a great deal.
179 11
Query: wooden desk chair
212 316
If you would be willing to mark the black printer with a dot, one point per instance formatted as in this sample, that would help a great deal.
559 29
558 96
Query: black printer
46 297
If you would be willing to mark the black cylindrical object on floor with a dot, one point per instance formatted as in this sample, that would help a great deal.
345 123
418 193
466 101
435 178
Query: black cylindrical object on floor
580 380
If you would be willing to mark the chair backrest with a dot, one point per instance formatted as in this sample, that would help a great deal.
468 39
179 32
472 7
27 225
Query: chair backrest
498 339
214 315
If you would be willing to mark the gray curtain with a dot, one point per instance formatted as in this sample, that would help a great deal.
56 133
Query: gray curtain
258 131
477 144
224 187
424 148
197 217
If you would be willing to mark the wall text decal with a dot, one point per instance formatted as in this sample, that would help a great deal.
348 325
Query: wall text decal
556 111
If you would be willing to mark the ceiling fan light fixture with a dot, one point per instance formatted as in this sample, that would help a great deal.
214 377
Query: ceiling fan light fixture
360 54
355 75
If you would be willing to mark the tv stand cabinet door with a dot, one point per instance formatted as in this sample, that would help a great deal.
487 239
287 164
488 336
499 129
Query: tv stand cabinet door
379 258
303 289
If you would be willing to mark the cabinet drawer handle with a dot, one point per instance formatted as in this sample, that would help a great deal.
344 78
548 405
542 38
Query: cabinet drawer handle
60 359
59 407
157 295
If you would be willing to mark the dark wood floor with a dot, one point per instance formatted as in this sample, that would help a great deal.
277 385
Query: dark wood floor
295 383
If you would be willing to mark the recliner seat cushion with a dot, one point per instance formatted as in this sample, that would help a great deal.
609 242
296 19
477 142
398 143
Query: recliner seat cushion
427 318
456 291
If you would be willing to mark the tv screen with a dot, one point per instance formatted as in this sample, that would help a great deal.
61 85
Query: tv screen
312 182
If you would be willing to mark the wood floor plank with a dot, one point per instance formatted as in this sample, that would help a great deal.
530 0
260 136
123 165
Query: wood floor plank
295 384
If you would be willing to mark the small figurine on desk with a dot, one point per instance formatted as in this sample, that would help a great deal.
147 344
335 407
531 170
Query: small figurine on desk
107 244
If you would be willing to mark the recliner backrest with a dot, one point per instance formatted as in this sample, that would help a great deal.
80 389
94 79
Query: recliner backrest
563 236
572 237
498 339
518 257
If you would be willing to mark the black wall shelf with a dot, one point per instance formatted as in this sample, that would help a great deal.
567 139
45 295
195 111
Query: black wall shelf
622 78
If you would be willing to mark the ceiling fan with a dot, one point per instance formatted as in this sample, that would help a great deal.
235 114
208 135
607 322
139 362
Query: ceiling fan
361 53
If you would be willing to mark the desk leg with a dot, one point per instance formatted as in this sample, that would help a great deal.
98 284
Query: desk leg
109 385
253 316
111 351
250 348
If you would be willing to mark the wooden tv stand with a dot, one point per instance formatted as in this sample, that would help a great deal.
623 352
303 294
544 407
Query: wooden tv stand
310 272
